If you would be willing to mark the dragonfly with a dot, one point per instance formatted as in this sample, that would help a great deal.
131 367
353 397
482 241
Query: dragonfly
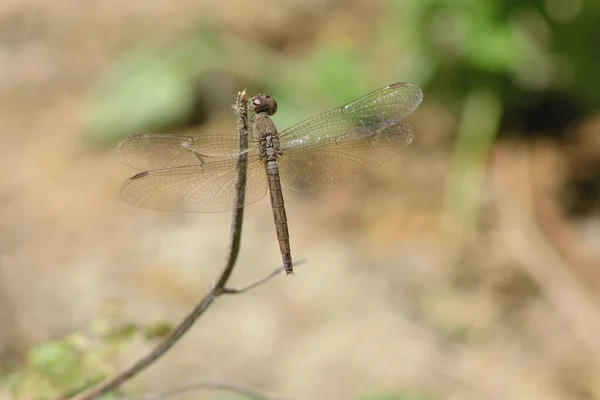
199 173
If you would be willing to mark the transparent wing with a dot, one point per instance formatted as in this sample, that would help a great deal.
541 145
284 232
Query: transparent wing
341 159
341 144
155 151
204 188
391 103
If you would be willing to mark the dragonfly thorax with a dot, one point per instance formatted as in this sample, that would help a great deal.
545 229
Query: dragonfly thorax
268 141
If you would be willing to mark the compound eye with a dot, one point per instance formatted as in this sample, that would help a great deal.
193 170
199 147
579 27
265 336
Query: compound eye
271 104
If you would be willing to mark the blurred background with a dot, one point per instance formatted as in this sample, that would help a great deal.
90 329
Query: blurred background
465 268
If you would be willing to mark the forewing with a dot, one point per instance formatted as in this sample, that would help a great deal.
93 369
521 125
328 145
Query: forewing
156 151
204 188
343 158
391 103
341 144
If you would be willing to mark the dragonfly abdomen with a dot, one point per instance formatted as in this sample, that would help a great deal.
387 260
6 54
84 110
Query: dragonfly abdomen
279 215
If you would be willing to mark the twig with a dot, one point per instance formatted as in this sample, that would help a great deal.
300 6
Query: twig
240 192
260 281
210 385
218 288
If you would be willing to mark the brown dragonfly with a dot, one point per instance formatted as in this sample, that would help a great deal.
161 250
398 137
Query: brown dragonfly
199 173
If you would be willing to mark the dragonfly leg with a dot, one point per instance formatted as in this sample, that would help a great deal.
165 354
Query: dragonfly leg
198 155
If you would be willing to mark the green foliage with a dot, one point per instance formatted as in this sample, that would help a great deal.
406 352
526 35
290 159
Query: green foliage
151 89
479 124
122 334
158 94
233 396
514 48
395 396
158 330
70 365
53 368
57 360
337 73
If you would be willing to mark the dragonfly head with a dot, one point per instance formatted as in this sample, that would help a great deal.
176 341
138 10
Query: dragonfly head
264 103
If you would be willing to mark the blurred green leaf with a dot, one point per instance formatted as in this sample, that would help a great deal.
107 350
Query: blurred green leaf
395 396
479 124
158 330
337 72
492 48
232 396
110 396
153 89
57 359
125 333
145 90
55 368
